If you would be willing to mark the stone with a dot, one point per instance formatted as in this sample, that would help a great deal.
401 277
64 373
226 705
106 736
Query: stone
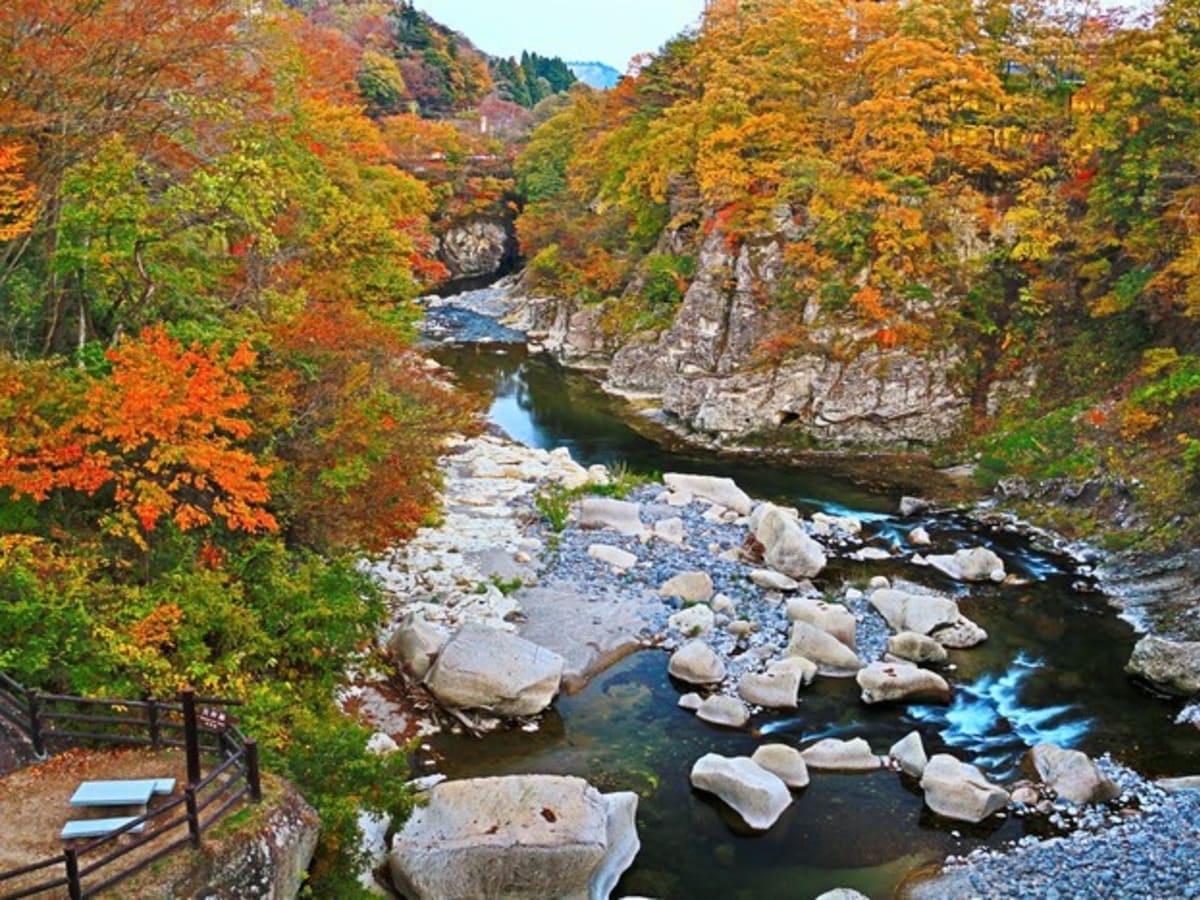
962 634
909 754
721 710
919 537
878 582
721 491
485 668
843 894
670 531
786 546
619 559
973 564
871 554
822 648
914 506
755 794
740 628
835 755
690 701
382 744
831 618
917 648
776 690
1071 774
805 668
783 761
883 682
416 644
958 790
824 524
921 613
519 836
475 249
1179 785
773 581
696 663
694 620
1172 666
616 515
722 604
690 587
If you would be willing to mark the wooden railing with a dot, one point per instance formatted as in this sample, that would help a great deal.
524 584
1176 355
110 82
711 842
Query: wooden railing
198 725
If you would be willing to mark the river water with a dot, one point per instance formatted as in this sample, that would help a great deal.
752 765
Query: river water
1052 669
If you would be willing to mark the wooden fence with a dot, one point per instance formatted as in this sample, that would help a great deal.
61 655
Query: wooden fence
200 726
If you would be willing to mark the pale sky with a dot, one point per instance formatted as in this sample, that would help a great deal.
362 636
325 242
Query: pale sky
611 31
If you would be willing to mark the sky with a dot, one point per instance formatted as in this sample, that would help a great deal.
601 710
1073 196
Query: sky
610 31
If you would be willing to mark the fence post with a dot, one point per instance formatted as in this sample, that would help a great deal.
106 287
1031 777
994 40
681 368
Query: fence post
74 888
191 734
152 721
252 775
193 814
35 723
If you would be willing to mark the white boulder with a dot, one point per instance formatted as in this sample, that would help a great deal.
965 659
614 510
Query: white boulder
485 668
758 796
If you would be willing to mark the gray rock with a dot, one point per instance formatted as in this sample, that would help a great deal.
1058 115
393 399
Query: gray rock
1173 666
484 668
787 548
1179 785
919 537
835 755
843 894
974 564
721 710
755 794
694 620
773 581
520 836
690 701
721 491
776 690
670 531
1071 774
831 618
917 648
784 761
822 648
901 682
690 587
805 668
962 634
697 663
921 613
617 515
912 506
613 556
474 249
909 752
416 644
382 744
959 791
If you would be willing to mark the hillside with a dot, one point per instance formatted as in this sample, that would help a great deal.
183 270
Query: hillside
595 74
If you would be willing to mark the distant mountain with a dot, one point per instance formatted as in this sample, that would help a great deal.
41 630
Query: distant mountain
596 74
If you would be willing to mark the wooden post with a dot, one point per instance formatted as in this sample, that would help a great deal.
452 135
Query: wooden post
253 778
74 888
35 723
152 720
193 814
191 734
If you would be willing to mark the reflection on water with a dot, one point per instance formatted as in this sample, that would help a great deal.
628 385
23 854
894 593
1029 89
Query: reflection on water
988 719
1051 670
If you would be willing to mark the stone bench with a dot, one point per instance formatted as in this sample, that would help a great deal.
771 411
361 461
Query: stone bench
85 828
127 792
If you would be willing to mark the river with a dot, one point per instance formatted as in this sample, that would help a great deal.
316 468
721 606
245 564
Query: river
1052 669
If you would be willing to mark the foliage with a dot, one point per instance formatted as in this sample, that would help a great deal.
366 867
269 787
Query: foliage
554 502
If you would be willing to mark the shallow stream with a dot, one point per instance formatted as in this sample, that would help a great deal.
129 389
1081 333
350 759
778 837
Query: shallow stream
1052 669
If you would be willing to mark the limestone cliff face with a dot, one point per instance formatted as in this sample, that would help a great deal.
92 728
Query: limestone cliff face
477 249
707 372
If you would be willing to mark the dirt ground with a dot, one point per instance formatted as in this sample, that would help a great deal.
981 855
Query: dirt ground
34 806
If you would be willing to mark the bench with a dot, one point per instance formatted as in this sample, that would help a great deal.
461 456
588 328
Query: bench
129 792
85 828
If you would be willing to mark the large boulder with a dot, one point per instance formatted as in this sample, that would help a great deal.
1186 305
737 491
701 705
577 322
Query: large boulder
416 644
776 690
1172 666
616 515
829 617
921 613
909 754
974 564
690 587
522 836
696 663
758 796
883 682
830 654
958 790
475 249
917 648
1072 775
484 668
721 491
835 755
806 669
787 548
962 634
784 761
721 710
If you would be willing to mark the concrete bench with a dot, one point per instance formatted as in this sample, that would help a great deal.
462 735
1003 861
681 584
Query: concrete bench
128 792
85 828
